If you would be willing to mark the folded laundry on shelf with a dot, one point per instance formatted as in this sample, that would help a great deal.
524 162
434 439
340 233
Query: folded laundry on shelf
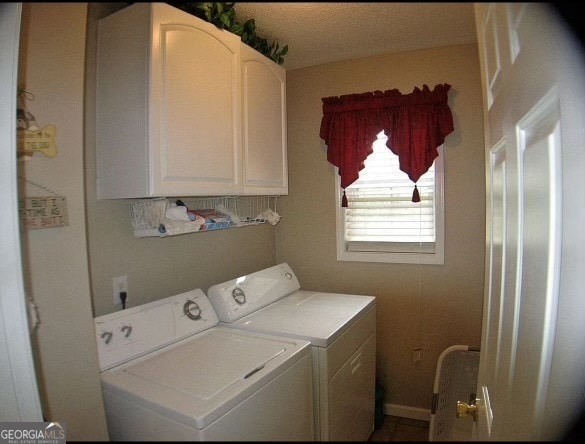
211 215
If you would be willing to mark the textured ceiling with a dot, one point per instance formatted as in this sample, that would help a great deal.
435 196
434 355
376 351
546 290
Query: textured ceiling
318 33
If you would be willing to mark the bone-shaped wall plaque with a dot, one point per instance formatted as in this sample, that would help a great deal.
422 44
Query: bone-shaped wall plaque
30 141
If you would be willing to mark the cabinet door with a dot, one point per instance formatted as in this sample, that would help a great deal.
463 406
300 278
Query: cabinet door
263 124
194 113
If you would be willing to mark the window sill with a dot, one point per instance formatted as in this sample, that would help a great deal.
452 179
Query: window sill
391 258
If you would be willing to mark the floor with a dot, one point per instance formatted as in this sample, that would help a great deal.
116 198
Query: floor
396 428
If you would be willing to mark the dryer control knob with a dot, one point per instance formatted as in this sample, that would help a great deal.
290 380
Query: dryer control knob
192 310
239 295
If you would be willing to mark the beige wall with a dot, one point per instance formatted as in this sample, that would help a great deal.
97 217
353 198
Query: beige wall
448 308
156 267
55 259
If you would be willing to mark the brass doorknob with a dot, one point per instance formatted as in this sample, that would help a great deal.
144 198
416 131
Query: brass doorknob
464 409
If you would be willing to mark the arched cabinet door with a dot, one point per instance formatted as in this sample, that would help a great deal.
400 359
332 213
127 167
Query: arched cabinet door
263 124
168 105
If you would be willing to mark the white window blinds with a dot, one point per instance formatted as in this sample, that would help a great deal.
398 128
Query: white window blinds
380 215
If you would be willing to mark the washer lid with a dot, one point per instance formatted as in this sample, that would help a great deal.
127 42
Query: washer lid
203 377
313 316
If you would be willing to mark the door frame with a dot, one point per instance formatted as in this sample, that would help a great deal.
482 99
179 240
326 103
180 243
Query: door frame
20 396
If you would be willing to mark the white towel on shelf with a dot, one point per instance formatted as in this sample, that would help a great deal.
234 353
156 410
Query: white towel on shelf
270 216
177 213
179 220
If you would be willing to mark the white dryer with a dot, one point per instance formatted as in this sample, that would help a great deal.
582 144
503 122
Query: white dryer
342 332
170 373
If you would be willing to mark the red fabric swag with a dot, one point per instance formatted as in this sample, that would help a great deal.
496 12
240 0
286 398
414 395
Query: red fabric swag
416 124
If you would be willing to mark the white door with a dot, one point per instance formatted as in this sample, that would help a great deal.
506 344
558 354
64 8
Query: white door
19 398
532 366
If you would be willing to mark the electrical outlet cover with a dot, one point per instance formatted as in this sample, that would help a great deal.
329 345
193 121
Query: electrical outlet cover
120 283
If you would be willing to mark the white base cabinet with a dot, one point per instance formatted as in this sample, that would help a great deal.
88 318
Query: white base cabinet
174 117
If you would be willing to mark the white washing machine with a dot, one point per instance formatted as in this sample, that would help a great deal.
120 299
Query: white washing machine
170 373
342 332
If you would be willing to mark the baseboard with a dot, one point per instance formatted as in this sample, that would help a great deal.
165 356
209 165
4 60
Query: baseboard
407 412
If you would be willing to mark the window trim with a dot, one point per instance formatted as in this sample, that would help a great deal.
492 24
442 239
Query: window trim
432 258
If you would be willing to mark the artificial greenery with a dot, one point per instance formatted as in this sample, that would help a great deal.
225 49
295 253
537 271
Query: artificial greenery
223 15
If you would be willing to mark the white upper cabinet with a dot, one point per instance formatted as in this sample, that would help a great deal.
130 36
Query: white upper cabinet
263 124
169 109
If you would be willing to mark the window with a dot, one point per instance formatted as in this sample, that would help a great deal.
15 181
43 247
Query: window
381 223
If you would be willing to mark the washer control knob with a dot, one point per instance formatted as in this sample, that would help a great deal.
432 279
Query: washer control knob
127 329
288 275
107 335
192 310
239 295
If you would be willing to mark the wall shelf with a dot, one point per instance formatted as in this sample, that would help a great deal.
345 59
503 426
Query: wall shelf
149 216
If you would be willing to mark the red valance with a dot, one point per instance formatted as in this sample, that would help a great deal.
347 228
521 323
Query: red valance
415 124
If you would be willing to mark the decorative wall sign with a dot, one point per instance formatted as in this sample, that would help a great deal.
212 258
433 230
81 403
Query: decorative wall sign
31 139
43 212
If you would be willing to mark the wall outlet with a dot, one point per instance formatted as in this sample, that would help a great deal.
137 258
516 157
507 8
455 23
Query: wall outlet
120 283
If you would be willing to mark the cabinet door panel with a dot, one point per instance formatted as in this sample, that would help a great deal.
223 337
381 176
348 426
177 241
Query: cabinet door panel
264 125
196 120
193 138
